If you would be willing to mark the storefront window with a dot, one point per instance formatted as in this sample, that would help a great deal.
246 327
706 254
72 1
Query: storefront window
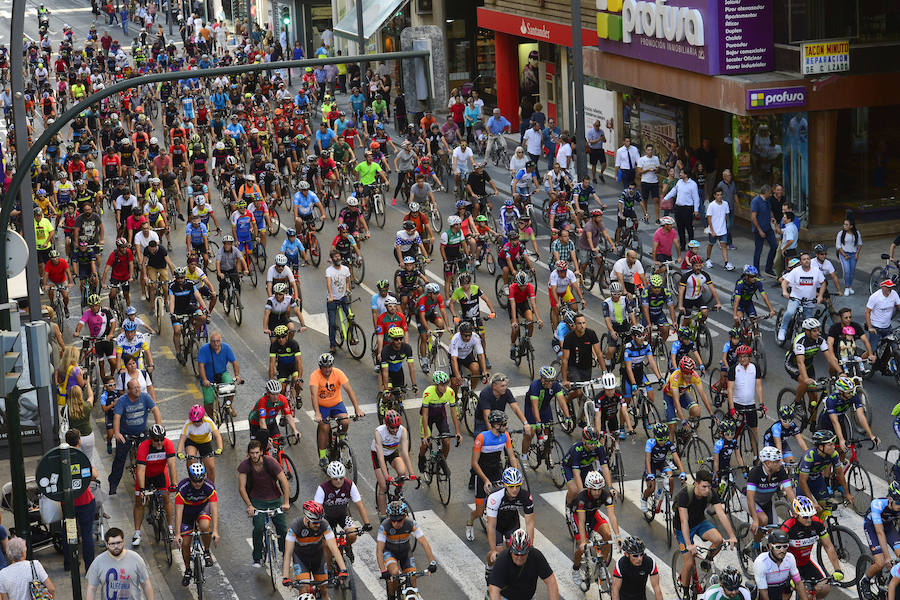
863 20
486 63
864 161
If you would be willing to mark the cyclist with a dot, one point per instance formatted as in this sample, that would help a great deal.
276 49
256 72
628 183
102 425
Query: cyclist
278 309
407 281
581 458
487 460
691 287
294 249
764 480
430 310
308 543
798 360
392 549
121 260
539 399
325 386
196 276
502 508
618 315
386 321
421 192
304 201
522 305
729 359
285 360
638 352
196 238
516 571
804 529
728 588
243 227
632 572
683 346
512 257
654 301
379 300
836 416
803 287
335 495
351 216
785 427
560 289
585 508
131 342
263 418
155 470
744 290
196 506
469 296
881 527
627 201
657 451
610 407
819 462
454 250
230 264
196 440
690 520
744 386
466 351
280 273
184 301
390 446
677 386
392 357
436 400
723 449
408 243
774 568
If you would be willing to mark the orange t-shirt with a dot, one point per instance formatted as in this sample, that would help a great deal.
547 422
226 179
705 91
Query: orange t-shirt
329 389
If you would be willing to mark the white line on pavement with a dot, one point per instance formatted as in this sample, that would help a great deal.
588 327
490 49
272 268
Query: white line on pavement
453 555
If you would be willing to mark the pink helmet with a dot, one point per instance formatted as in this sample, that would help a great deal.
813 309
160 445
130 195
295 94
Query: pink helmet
196 413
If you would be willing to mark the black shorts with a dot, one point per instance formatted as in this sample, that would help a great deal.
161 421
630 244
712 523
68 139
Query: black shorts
811 571
521 307
104 348
160 481
467 361
123 285
438 420
43 255
650 190
598 155
694 304
609 423
576 374
203 448
749 414
388 458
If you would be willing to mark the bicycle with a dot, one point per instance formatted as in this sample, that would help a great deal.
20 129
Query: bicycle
466 403
524 348
693 450
700 334
159 302
704 573
594 567
231 297
270 544
616 462
405 589
596 271
499 153
349 331
276 451
162 530
804 416
392 399
890 270
377 206
858 479
90 362
198 562
660 502
357 266
671 274
309 240
222 410
752 336
795 324
118 305
338 448
642 409
887 354
340 538
484 254
546 450
878 583
394 493
849 548
59 306
436 467
434 214
629 240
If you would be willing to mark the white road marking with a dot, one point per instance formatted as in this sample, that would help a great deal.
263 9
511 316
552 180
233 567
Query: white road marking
453 555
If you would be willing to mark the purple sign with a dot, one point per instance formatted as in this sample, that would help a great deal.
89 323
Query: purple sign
776 98
690 34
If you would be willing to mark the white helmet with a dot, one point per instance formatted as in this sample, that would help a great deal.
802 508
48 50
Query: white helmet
769 453
609 381
154 140
352 202
453 220
336 470
220 145
811 323
594 481
432 288
413 207
280 260
667 221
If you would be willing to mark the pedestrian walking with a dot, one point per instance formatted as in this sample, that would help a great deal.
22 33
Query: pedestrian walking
85 512
17 581
595 139
533 140
707 156
729 195
648 168
763 233
118 572
627 157
849 244
687 206
717 223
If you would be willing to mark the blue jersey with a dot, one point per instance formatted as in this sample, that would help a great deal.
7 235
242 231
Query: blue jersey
745 290
243 225
187 105
880 514
304 203
219 100
197 233
524 182
378 304
835 404
580 456
637 355
659 452
543 396
730 352
236 130
292 249
562 330
724 449
780 432
509 220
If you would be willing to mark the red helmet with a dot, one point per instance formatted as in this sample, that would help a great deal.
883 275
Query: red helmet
426 160
374 145
695 259
562 265
313 510
687 364
392 418
744 349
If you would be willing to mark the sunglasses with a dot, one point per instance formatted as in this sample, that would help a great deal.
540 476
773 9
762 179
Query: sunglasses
778 546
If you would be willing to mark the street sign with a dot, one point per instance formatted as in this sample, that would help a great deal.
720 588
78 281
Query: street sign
50 478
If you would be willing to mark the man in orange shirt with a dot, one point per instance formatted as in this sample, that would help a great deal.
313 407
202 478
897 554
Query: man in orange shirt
325 386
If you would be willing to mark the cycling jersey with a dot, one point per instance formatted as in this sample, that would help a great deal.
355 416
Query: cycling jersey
580 456
292 250
393 359
344 244
680 349
656 301
461 348
879 514
396 540
426 305
468 301
437 403
185 300
677 381
491 447
407 241
367 172
305 202
802 538
386 320
154 459
769 574
814 462
637 355
309 542
618 313
266 409
195 499
659 452
285 356
134 347
724 449
336 500
634 578
390 442
745 290
805 346
779 431
197 233
409 278
511 250
765 484
585 503
694 283
200 433
543 396
836 404
506 510
452 241
715 592
98 323
730 352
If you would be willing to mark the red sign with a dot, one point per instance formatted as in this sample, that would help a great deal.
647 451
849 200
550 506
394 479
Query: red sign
535 29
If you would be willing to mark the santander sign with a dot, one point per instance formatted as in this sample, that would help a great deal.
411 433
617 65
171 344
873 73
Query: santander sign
529 30
657 20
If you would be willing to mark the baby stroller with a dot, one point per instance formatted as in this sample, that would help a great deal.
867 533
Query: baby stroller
42 534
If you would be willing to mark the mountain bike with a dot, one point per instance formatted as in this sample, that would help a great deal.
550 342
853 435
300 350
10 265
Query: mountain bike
118 305
546 450
338 448
794 327
524 348
436 467
349 331
90 362
377 206
222 410
156 516
270 545
499 153
276 451
436 357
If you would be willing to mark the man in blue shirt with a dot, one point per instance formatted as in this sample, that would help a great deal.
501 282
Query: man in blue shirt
213 359
129 420
761 220
497 125
324 137
357 103
551 136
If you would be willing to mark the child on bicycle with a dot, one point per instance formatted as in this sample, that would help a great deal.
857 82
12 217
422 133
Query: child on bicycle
657 453
729 359
684 346
724 448
780 431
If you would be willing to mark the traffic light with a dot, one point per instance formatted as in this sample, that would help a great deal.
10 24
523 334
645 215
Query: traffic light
286 16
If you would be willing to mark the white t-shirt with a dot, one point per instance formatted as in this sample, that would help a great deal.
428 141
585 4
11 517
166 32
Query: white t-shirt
882 308
563 154
141 241
826 267
851 243
461 348
719 214
744 384
805 284
561 283
273 274
464 160
621 266
533 141
649 165
339 277
126 200
15 580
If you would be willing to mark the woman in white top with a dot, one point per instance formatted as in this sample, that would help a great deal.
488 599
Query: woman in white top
849 244
517 161
132 372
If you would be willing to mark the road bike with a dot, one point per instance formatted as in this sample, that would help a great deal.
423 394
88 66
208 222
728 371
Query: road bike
377 205
357 266
594 567
524 348
595 272
270 544
660 502
118 304
392 399
222 414
198 560
434 214
159 302
230 294
436 356
349 332
466 403
345 588
308 238
671 274
804 415
752 336
546 450
642 409
890 270
436 467
703 574
338 449
190 342
629 239
59 305
156 516
405 589
849 548
700 335
858 479
394 493
693 450
616 462
276 450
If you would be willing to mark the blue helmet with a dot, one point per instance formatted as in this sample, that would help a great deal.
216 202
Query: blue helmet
509 202
129 326
512 476
751 270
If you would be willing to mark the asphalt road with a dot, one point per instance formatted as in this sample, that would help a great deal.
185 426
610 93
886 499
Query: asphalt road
461 562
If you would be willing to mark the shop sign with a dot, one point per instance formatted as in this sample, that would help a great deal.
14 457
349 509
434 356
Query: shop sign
535 29
825 57
776 98
705 36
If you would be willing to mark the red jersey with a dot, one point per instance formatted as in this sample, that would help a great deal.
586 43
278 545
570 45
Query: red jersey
802 538
266 409
57 272
521 294
385 321
349 135
424 304
110 163
154 459
119 263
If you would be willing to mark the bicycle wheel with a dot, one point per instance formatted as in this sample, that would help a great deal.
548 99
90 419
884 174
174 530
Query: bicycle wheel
696 454
878 275
443 480
348 459
759 356
650 417
166 539
274 225
160 312
529 360
271 550
198 575
332 205
745 443
468 415
779 317
259 252
490 262
860 483
228 422
704 346
849 549
253 275
315 253
788 396
555 458
213 252
500 290
238 310
194 349
319 218
891 458
292 475
359 270
864 399
441 360
356 345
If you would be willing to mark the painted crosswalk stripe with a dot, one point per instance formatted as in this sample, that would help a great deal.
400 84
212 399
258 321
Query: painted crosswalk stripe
453 555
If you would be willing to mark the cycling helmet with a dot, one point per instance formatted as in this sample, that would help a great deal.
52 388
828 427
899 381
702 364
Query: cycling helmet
196 413
811 323
304 185
519 542
280 330
512 476
391 301
413 207
392 419
453 220
93 300
220 146
803 506
687 364
374 145
129 326
786 412
693 244
660 431
461 204
512 236
291 232
432 288
336 470
696 260
273 386
609 381
466 327
734 332
231 160
157 432
509 203
568 316
313 510
395 333
684 332
596 212
656 281
464 278
326 359
180 272
280 288
130 311
770 453
240 205
793 263
522 278
589 434
481 219
227 238
823 436
893 493
409 225
280 260
547 372
727 426
497 417
397 510
197 472
383 284
615 288
562 265
440 378
731 578
121 242
343 227
530 164
819 248
778 536
594 481
744 350
352 201
633 546
845 384
751 270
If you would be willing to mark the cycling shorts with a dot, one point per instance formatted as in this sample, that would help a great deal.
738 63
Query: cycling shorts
436 421
203 448
159 482
593 521
811 571
192 515
628 389
406 561
566 297
687 401
747 308
310 568
890 534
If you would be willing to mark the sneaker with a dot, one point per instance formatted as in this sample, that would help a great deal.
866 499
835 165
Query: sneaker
622 434
348 552
171 530
256 564
780 337
136 538
112 491
207 558
709 264
512 352
477 262
470 532
846 291
729 267
852 291
186 579
576 574
425 365
323 463
732 247
771 273
180 217
643 505
109 447
865 587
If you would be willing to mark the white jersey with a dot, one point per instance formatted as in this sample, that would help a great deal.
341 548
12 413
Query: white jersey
461 348
390 442
561 283
768 573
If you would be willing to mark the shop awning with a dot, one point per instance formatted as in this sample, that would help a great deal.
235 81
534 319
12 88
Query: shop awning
375 13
